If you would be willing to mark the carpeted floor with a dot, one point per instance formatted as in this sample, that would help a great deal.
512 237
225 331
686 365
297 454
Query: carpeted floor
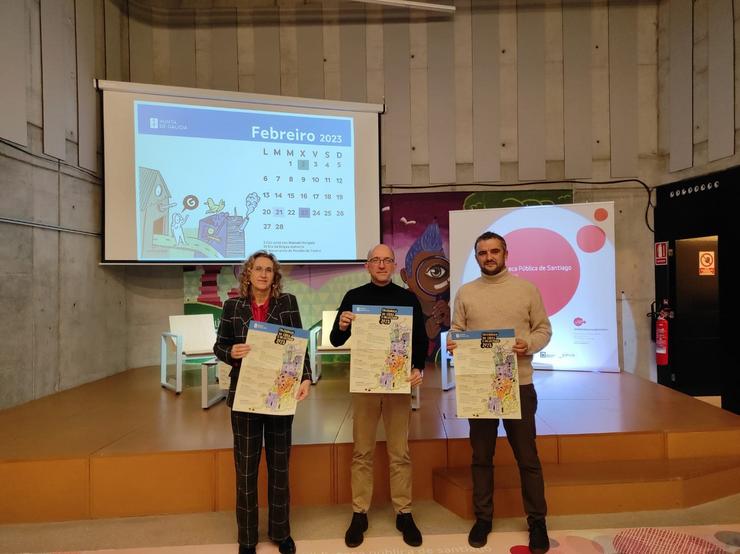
320 529
707 539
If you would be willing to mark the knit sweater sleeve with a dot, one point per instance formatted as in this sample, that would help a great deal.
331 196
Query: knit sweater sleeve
459 320
541 329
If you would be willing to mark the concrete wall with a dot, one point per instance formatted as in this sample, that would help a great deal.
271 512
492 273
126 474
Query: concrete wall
68 321
700 89
64 317
152 295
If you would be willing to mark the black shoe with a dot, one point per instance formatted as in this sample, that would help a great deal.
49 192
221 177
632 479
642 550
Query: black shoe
411 534
478 536
286 546
353 537
247 549
539 542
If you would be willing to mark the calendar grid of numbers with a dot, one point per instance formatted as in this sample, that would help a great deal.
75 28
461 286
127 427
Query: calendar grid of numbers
221 183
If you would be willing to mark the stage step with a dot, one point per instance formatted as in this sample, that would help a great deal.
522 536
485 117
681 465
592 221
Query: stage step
600 487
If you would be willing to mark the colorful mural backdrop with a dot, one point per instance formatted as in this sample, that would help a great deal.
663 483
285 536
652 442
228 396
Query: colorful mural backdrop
415 225
317 288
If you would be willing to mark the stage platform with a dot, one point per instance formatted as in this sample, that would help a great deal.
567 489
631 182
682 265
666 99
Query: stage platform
124 446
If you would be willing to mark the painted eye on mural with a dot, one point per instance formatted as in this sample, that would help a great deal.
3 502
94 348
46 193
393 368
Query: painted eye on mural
436 271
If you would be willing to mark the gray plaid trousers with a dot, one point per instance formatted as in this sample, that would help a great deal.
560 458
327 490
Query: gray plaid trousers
249 430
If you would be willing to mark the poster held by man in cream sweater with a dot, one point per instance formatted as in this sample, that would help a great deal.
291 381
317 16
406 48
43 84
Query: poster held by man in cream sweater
487 378
504 301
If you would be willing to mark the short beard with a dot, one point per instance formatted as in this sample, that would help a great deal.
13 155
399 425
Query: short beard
491 273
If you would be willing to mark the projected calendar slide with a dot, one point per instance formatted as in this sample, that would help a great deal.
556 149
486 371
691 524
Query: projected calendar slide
219 183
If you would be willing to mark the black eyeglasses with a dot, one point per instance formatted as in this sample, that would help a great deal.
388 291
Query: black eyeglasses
376 261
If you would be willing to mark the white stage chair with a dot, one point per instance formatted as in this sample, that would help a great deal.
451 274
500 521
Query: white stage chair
192 337
319 344
220 371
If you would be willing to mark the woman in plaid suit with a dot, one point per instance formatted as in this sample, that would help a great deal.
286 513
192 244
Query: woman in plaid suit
261 299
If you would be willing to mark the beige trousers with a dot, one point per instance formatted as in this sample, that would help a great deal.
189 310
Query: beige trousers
396 410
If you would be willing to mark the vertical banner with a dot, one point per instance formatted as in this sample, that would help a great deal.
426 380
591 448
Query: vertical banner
568 252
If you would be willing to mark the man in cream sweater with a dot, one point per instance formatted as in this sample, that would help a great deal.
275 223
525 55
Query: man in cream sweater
499 300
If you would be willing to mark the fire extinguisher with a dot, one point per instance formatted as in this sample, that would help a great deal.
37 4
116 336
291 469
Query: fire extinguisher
661 340
661 333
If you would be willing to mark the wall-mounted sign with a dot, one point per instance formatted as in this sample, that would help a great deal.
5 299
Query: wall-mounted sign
706 262
661 253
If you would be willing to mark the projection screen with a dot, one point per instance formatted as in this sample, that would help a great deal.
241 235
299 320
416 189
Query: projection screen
200 176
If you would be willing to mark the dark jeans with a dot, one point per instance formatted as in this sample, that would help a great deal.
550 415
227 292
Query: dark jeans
521 434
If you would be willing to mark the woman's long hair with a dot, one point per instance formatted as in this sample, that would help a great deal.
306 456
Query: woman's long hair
245 286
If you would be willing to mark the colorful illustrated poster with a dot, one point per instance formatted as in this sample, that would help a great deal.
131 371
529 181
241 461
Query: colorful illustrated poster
272 370
486 374
381 349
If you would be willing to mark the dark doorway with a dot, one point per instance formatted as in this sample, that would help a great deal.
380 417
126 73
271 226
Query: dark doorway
696 219
696 345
